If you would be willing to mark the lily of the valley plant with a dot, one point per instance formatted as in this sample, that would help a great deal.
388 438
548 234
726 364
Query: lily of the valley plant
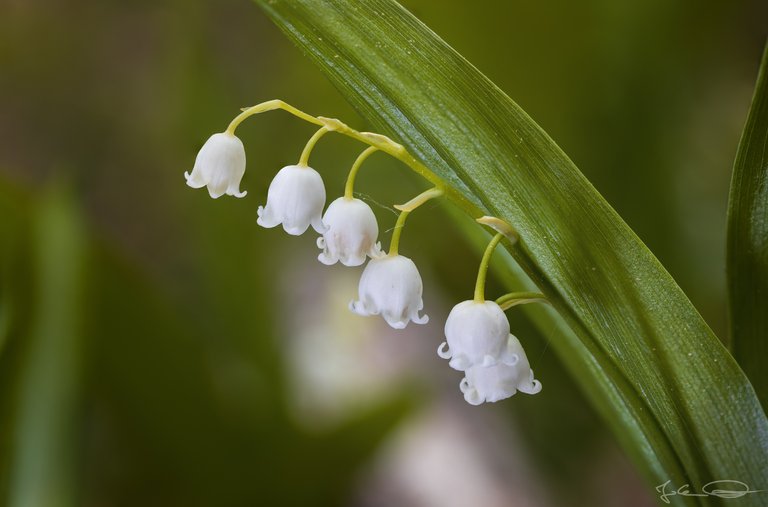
478 339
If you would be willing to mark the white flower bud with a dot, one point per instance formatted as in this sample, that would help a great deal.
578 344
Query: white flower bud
220 165
351 234
295 199
502 380
476 334
391 286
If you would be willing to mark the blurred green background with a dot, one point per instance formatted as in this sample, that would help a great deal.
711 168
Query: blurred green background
159 348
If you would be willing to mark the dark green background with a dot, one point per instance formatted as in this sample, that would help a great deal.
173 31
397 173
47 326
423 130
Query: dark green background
149 335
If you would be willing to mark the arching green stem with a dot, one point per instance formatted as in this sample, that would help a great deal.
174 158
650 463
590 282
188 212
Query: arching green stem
483 271
304 159
520 298
395 243
420 199
405 210
381 142
350 187
269 105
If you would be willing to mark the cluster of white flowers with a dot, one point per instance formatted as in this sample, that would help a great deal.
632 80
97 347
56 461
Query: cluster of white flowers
478 341
390 285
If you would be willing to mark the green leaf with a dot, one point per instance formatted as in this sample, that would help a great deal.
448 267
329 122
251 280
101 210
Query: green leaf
675 397
748 242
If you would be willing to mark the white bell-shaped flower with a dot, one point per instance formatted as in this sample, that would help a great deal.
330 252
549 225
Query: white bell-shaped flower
220 165
295 199
391 287
502 380
476 334
351 233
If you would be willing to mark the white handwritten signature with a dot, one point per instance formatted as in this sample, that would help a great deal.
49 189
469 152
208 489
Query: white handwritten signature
723 489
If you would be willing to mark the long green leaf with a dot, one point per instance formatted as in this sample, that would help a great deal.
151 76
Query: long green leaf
676 398
748 242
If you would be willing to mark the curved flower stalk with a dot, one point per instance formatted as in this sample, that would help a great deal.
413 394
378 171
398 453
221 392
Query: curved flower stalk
220 165
391 287
295 199
350 235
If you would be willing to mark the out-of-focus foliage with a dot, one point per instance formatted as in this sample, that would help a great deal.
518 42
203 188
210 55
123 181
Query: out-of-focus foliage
47 398
163 412
184 395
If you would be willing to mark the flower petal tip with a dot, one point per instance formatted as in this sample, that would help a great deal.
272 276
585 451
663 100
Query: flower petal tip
443 352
